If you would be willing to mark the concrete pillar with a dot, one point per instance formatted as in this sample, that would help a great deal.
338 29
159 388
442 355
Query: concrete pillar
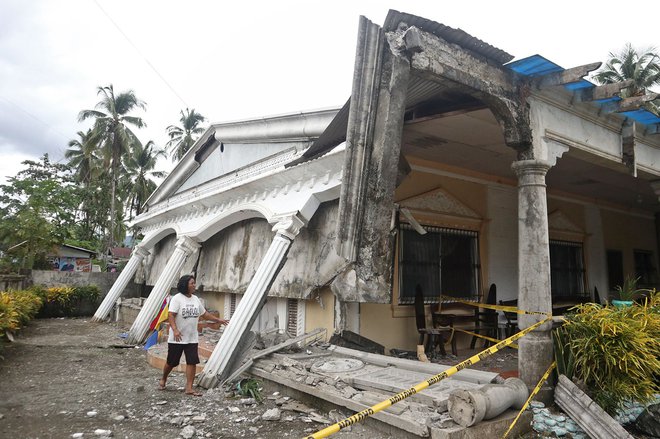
534 294
184 247
227 352
120 284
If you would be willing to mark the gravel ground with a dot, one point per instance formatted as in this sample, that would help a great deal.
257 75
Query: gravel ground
68 376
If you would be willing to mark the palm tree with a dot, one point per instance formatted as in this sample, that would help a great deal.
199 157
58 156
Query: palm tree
112 132
82 155
183 137
642 67
84 159
139 172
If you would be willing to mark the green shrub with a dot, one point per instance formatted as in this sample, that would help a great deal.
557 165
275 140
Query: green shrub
69 301
27 305
250 387
16 309
614 351
9 319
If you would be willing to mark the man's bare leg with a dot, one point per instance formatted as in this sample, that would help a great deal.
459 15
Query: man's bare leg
190 379
166 372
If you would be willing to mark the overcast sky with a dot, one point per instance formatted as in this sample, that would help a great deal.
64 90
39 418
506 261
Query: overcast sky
235 60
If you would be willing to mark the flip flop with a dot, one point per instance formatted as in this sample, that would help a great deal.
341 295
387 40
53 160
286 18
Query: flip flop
193 393
161 386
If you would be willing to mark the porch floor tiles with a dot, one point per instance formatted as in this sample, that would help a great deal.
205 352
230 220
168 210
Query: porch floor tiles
340 377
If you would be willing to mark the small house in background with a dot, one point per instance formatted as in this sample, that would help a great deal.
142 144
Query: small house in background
117 256
71 258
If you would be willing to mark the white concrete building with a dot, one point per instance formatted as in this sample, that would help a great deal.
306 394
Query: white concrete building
522 174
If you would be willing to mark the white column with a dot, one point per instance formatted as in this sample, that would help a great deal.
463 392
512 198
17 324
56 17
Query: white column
120 284
534 294
225 356
184 247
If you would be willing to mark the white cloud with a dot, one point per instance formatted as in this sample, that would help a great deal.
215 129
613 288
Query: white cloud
232 60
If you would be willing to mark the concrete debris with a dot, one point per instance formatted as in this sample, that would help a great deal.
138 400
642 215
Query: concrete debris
253 430
295 406
161 402
188 432
589 415
119 418
102 433
271 415
91 413
177 420
248 401
77 435
199 418
233 409
318 418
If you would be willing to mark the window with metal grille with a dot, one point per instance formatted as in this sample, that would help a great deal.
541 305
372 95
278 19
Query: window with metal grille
566 269
443 261
292 317
645 269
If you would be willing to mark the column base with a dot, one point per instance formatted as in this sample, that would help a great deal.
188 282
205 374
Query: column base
535 354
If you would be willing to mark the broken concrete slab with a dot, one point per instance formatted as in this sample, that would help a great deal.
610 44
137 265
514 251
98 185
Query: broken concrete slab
588 415
470 375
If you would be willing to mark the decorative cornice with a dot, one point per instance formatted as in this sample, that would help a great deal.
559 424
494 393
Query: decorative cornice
558 221
438 201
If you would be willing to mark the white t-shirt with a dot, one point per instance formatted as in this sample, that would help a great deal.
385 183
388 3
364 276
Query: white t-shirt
188 310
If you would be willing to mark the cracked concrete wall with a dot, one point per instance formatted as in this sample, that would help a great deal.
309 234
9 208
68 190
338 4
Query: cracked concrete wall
230 258
158 258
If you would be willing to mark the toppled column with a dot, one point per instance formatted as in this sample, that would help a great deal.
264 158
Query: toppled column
225 356
120 284
184 247
469 407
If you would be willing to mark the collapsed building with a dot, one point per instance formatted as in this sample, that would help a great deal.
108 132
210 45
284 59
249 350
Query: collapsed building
450 167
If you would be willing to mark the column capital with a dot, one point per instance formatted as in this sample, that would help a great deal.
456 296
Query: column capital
140 252
529 167
187 244
288 225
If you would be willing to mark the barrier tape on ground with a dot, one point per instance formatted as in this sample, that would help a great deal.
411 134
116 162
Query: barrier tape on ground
485 337
531 395
495 307
332 429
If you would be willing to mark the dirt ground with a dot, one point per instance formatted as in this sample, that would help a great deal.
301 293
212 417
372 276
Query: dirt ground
66 376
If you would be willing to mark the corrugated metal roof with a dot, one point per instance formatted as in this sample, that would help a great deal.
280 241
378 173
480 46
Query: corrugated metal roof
536 65
333 135
642 116
449 34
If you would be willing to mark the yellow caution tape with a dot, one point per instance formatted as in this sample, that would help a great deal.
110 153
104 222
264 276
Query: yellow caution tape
494 340
495 307
531 395
332 429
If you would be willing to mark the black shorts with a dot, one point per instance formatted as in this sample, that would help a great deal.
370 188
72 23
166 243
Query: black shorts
174 351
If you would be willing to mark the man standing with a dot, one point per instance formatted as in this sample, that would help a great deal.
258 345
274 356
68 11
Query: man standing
185 309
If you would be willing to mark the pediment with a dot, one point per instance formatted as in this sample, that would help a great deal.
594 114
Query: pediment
558 221
439 201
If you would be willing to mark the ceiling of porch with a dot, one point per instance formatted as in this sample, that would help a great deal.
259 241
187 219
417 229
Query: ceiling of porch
470 138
